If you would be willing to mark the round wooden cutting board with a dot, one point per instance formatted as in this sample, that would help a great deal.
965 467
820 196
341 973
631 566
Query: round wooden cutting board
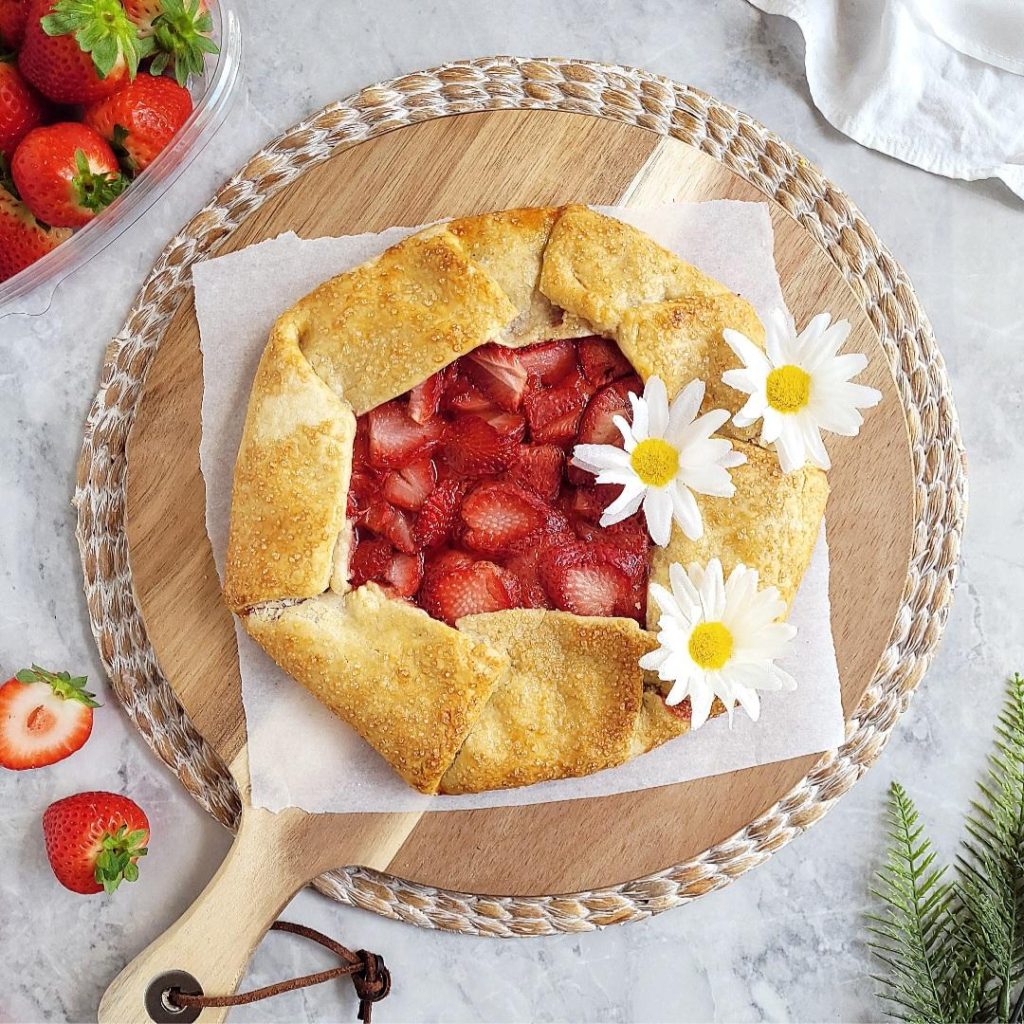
472 162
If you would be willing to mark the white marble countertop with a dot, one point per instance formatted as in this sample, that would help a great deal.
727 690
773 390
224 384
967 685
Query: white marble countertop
785 942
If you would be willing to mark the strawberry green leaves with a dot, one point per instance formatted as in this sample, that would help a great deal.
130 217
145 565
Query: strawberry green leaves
62 683
101 28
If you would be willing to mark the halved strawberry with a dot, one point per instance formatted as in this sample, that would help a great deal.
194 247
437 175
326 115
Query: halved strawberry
369 561
437 514
588 503
525 567
409 486
386 520
597 424
446 560
499 514
362 489
44 717
602 361
549 361
404 575
480 587
554 413
595 589
462 396
473 447
509 423
498 373
539 468
425 398
395 437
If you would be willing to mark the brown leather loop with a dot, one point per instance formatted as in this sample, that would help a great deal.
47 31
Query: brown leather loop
370 976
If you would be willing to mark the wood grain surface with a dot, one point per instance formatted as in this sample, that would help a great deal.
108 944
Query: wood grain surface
467 164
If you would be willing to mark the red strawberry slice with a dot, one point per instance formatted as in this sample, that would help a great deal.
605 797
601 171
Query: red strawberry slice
437 514
589 589
681 710
395 438
370 561
540 468
499 514
602 361
481 587
363 489
498 373
554 413
509 423
587 504
386 520
44 717
410 486
404 575
447 560
425 398
596 424
462 396
549 361
473 447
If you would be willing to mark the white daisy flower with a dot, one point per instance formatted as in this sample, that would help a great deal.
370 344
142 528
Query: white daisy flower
719 639
800 387
669 453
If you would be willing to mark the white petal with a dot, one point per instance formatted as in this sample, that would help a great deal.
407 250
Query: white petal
712 592
653 660
686 513
623 506
683 589
746 351
861 395
685 407
830 342
790 448
629 438
656 398
640 429
780 337
741 380
713 480
841 368
837 418
595 457
774 423
701 699
749 701
658 513
813 444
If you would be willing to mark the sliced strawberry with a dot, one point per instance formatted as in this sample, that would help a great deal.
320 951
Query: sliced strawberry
481 587
473 447
499 514
588 503
597 423
395 438
681 710
524 567
425 398
462 396
554 413
369 561
509 423
409 486
404 575
447 560
44 717
540 468
549 361
363 488
386 520
437 514
498 373
589 589
602 361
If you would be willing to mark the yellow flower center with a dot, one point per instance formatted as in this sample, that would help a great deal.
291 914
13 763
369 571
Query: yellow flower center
711 645
788 388
655 462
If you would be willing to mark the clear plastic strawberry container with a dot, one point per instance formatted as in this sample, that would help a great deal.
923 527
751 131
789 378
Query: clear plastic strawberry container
32 290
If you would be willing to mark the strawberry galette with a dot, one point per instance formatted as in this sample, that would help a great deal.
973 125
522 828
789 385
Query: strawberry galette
467 463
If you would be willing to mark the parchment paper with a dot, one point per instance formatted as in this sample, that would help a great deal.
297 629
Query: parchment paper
302 755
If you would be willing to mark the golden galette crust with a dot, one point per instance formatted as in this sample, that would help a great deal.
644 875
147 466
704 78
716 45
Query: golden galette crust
567 707
372 333
508 698
681 340
291 480
408 684
771 524
598 268
510 246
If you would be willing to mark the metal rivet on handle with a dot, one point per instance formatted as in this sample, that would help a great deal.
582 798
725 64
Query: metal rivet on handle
161 1009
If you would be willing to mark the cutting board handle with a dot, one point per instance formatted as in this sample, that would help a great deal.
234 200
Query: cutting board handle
215 938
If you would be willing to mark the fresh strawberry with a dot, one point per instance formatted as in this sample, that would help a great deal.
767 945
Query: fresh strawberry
21 109
410 486
597 425
387 521
44 717
94 841
78 51
23 240
549 361
540 468
425 398
395 438
178 31
481 587
437 514
588 588
12 22
140 119
66 174
473 447
498 373
499 514
602 361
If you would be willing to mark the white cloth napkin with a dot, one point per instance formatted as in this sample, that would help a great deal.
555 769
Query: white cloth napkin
935 83
301 755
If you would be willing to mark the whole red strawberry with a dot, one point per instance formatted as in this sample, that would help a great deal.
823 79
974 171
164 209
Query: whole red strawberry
44 717
78 51
141 118
23 240
66 174
94 841
178 31
12 22
21 109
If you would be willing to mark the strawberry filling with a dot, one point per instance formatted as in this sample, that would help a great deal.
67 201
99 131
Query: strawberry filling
462 498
